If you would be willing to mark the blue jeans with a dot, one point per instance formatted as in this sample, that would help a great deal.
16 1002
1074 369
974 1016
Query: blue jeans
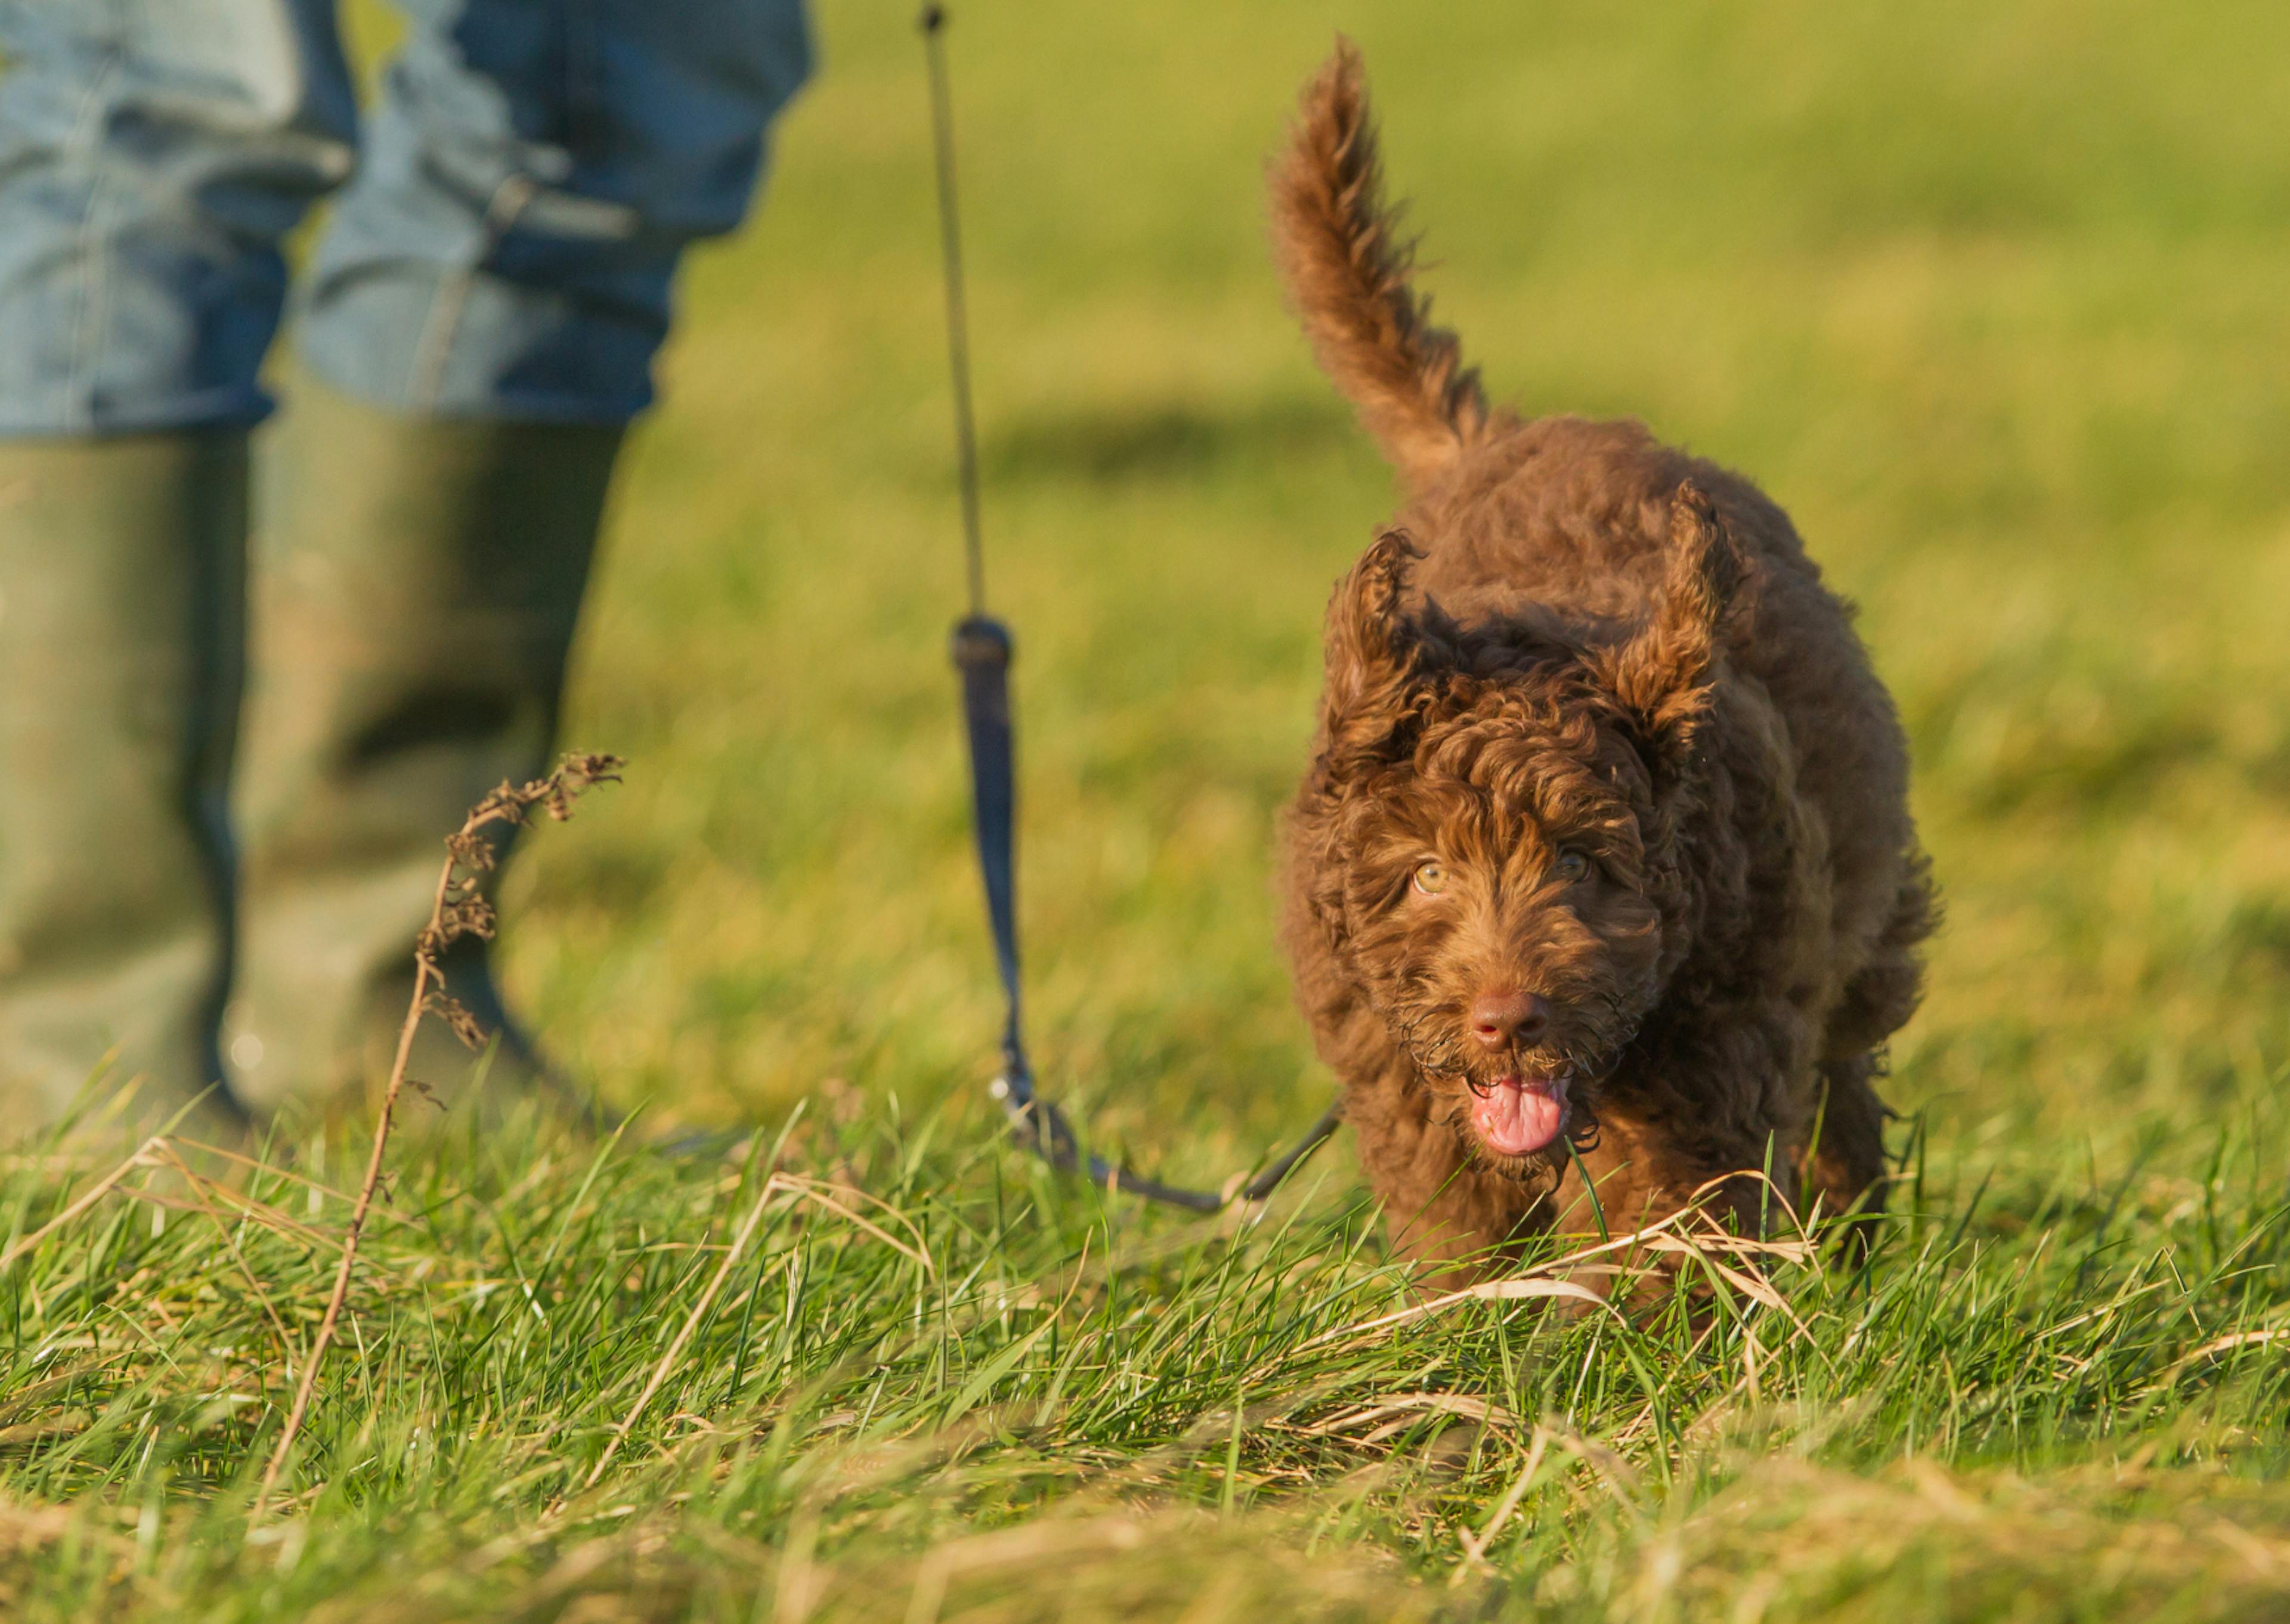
505 234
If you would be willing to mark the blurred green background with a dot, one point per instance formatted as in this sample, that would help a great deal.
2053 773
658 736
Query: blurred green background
1990 297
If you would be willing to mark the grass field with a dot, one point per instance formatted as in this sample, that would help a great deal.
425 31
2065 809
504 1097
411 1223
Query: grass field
1989 297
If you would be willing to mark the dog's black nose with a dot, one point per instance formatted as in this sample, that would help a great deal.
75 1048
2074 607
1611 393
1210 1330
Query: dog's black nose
1507 1016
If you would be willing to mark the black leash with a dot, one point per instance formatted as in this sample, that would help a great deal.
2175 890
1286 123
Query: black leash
982 649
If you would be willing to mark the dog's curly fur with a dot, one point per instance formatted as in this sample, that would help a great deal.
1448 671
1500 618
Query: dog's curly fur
1597 683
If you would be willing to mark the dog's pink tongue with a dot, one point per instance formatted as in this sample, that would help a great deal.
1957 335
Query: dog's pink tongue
1518 1116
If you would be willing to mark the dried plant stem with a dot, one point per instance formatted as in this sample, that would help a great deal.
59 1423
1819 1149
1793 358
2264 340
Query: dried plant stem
457 908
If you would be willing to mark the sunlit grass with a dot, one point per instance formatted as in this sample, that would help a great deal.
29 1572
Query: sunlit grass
932 1363
1989 298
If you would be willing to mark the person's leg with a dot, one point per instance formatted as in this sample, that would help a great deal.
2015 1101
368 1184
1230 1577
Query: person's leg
151 157
476 328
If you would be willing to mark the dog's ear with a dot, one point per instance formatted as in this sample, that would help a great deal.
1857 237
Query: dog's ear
1371 652
1662 673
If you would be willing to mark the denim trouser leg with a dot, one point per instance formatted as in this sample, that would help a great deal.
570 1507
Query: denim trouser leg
532 175
153 153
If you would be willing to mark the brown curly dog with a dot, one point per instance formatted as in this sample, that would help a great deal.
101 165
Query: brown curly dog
1603 863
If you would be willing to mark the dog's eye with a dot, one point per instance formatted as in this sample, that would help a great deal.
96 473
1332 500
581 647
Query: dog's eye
1430 878
1573 866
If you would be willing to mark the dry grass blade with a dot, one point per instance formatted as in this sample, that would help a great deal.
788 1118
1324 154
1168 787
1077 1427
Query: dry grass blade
1491 1291
2225 1344
272 1170
778 1184
1750 1286
808 1189
200 1188
255 1212
147 1155
2240 1338
1475 1545
772 1186
1408 1404
457 908
1668 1235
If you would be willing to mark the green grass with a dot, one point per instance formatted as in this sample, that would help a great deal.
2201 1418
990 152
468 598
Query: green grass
1989 297
935 1371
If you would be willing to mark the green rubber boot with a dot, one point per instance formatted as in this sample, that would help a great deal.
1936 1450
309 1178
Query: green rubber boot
120 604
415 583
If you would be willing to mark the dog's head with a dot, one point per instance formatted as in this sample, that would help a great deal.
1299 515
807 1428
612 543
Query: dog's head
1491 833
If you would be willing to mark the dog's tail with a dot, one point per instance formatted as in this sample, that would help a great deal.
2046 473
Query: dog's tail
1347 271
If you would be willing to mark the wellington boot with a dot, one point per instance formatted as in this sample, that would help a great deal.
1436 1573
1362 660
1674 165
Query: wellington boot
120 604
414 584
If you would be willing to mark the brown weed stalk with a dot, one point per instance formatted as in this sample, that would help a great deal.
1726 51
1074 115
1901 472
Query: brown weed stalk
460 908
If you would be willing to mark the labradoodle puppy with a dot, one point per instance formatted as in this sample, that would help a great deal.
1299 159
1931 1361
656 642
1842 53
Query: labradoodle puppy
1604 862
